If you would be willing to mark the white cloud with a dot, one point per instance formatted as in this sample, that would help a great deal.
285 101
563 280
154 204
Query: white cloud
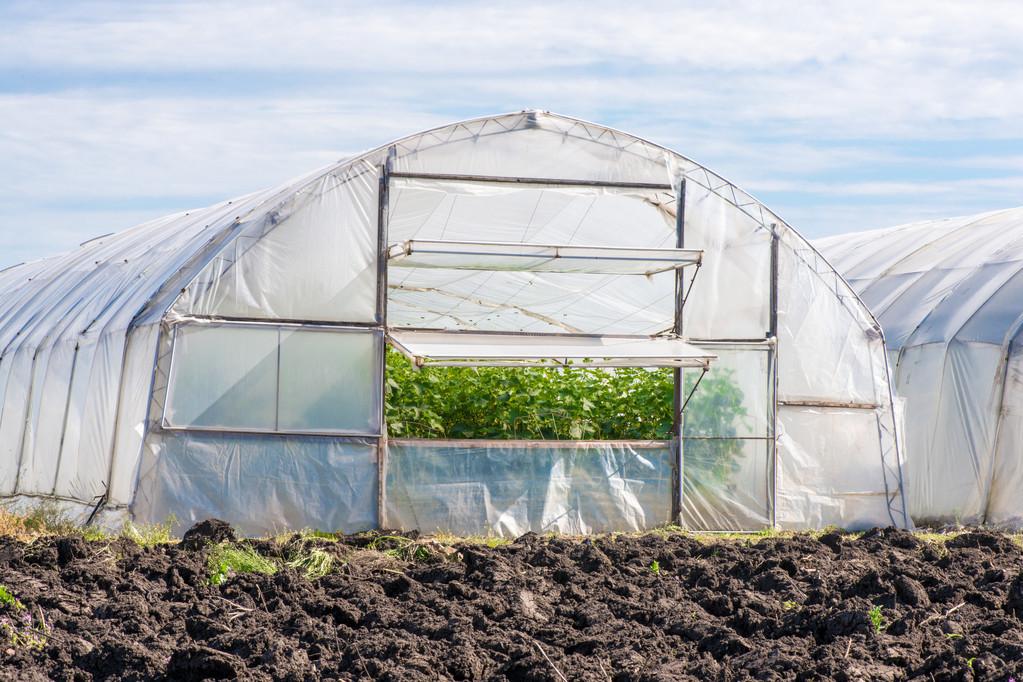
109 108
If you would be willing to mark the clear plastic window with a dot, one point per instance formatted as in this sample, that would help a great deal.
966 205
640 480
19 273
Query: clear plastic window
274 379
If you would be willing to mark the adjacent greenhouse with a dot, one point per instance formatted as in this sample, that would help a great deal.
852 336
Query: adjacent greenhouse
949 295
231 361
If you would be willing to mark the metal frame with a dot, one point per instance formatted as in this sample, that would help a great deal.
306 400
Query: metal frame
678 403
772 333
594 360
515 180
165 425
830 404
531 443
383 219
673 259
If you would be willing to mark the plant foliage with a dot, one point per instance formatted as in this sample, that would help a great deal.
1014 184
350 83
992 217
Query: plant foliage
228 559
575 403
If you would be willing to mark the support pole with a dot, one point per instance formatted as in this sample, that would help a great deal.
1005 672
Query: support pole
678 404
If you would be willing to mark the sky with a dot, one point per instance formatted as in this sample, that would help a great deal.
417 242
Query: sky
840 116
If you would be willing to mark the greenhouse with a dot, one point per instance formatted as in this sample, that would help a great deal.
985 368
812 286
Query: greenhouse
237 361
949 295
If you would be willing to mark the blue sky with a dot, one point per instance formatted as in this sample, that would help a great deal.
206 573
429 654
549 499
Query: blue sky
840 116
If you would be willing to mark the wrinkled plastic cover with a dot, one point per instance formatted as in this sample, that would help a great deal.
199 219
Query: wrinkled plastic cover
947 293
260 483
508 488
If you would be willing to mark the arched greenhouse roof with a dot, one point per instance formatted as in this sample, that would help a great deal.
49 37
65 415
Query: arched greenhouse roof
949 295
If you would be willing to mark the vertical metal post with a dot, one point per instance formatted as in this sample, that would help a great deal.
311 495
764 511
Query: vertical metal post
678 464
383 203
772 480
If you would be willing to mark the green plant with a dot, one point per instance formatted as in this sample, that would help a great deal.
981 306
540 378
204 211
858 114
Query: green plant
9 600
405 549
94 534
47 518
571 403
228 559
655 566
19 629
877 619
789 605
313 563
150 534
969 662
953 635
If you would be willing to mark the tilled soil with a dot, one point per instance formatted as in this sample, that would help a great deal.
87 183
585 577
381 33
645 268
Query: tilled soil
537 609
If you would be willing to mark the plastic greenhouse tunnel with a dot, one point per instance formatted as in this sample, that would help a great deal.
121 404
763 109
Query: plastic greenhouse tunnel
590 332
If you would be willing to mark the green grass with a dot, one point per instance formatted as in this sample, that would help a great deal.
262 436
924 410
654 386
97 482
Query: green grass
313 563
149 535
407 549
8 599
227 559
490 541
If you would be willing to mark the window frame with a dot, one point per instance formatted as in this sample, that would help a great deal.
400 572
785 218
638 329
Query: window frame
375 389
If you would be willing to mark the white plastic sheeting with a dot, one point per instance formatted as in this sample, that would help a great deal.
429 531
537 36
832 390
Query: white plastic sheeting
948 294
263 484
87 339
512 487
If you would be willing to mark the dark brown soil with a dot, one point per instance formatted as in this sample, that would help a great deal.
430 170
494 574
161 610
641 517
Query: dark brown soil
538 609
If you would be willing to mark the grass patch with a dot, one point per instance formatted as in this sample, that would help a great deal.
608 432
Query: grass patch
313 563
228 559
149 534
8 599
402 548
18 628
491 541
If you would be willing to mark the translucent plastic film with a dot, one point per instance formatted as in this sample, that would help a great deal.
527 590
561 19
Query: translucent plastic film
1006 476
269 378
726 484
727 445
596 296
823 478
315 259
511 487
259 483
731 294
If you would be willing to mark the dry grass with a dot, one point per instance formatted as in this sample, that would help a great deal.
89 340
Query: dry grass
13 525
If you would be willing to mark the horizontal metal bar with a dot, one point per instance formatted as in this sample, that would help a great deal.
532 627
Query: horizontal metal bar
638 337
727 438
527 443
557 256
258 322
551 362
88 504
832 404
766 342
879 493
352 435
11 267
531 181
